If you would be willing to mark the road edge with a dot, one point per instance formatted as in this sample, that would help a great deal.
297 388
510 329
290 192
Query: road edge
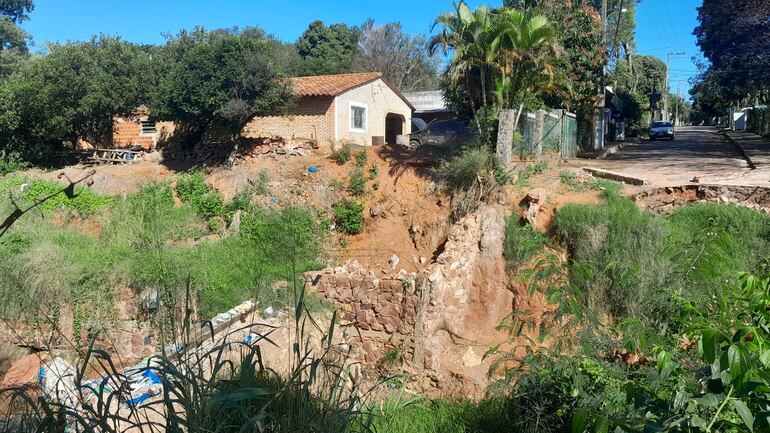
740 148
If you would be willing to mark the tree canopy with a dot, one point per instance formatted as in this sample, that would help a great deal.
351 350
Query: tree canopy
403 59
326 49
734 39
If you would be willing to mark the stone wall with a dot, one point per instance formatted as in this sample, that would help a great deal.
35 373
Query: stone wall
666 200
435 324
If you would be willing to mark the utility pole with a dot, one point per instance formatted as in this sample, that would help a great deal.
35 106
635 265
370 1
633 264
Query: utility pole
665 84
676 102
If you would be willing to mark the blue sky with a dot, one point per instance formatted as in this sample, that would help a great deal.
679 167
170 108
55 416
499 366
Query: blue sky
663 25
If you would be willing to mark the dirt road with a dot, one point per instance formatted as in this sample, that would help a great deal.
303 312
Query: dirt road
697 152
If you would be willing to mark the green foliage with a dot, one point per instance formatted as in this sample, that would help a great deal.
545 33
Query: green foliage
531 170
7 167
357 185
95 80
218 79
521 244
191 186
349 216
326 50
408 63
342 153
464 170
361 157
81 200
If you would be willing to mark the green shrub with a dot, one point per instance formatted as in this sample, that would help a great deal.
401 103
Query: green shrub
361 158
342 153
465 170
349 216
522 243
80 200
7 166
373 172
191 186
357 184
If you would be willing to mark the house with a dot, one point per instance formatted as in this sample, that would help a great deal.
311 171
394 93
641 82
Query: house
361 108
133 131
430 105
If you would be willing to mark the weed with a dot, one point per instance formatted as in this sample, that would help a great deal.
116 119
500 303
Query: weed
262 187
361 158
349 216
357 184
191 186
531 170
470 178
341 153
521 243
374 171
80 200
8 166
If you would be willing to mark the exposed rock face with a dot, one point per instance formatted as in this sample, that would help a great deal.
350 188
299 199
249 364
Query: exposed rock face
666 200
440 321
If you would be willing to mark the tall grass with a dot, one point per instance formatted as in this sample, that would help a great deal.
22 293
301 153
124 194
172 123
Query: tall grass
630 265
147 243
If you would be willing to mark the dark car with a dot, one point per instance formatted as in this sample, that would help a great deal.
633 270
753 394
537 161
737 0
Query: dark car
662 130
437 133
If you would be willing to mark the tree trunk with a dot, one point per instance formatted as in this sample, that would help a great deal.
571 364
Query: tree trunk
234 152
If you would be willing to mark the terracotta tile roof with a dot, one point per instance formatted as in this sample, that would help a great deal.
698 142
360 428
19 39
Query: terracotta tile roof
331 85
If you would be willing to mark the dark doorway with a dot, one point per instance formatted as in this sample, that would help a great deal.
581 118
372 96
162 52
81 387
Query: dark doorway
394 126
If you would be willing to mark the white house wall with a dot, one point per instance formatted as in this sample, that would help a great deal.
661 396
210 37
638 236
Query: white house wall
380 100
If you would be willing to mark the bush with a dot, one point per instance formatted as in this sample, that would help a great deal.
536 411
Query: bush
342 153
521 244
7 166
357 185
191 186
349 216
471 178
361 158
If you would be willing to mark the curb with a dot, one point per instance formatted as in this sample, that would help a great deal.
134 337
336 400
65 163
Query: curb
617 177
741 150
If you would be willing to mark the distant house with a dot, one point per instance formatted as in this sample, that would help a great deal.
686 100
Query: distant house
430 105
362 108
134 130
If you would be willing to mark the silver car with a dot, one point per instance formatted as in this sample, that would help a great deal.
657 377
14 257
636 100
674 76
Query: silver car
662 130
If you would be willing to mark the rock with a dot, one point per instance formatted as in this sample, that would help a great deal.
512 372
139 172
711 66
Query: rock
22 372
374 211
393 261
537 195
423 260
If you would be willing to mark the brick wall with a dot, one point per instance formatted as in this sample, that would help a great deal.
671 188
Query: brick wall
313 117
127 133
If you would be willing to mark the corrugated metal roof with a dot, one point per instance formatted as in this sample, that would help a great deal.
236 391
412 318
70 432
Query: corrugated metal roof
427 101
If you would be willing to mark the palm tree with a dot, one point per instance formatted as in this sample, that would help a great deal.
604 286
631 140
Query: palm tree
469 36
525 56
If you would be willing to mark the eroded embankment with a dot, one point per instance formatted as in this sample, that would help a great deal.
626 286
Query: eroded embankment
666 200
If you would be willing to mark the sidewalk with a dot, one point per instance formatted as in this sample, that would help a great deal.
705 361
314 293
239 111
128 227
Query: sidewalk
756 148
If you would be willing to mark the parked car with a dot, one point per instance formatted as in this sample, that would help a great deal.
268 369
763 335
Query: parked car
436 133
662 130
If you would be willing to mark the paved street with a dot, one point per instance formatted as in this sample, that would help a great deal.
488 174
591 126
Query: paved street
697 152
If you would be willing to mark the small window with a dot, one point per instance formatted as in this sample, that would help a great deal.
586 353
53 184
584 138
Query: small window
357 117
148 128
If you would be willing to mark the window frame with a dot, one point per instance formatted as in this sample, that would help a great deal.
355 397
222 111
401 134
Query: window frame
142 133
352 127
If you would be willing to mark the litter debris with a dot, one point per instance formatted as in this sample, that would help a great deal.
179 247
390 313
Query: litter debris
312 169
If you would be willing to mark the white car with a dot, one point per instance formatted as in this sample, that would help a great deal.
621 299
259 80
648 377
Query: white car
662 130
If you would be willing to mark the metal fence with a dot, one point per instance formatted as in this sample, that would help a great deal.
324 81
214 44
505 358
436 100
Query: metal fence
559 135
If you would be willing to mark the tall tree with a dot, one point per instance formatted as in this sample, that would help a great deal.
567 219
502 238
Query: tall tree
16 10
734 38
71 93
327 50
218 81
403 59
14 40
